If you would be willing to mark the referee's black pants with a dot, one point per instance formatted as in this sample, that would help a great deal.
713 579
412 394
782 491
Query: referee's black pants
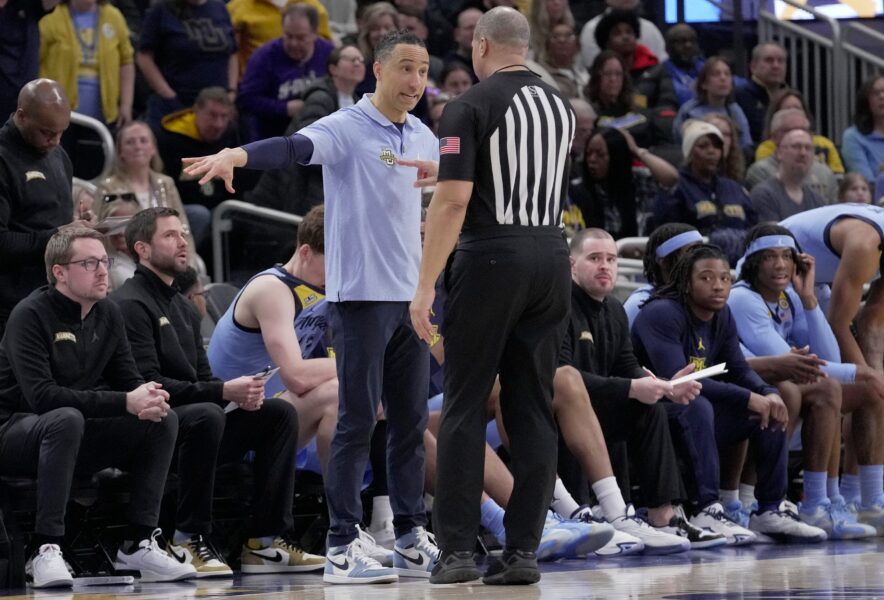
508 294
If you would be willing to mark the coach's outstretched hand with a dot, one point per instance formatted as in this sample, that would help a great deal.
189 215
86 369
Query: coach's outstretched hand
219 165
426 171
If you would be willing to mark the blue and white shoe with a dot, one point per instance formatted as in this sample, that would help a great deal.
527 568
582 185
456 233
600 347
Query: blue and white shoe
571 538
415 554
783 525
375 550
872 515
655 540
621 544
736 512
352 564
834 518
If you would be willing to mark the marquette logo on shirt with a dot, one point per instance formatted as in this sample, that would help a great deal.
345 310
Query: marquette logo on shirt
29 175
699 362
387 157
164 321
706 208
585 336
735 211
65 336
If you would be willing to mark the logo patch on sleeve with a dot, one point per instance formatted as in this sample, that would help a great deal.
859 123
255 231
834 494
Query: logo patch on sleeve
449 145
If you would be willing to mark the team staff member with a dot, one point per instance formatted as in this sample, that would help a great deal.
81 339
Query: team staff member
372 224
509 280
71 399
164 332
35 188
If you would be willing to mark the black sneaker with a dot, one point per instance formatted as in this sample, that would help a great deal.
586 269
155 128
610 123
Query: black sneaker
455 567
697 536
514 567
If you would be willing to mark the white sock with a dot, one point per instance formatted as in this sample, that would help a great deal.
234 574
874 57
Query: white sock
380 511
563 502
729 496
610 498
747 495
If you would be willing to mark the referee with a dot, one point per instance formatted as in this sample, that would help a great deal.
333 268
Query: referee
502 177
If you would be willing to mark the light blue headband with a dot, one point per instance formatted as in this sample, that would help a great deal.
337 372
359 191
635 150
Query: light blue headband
767 242
677 242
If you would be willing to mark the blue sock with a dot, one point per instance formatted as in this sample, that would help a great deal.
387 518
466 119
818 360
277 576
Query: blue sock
814 489
850 488
832 488
870 484
492 520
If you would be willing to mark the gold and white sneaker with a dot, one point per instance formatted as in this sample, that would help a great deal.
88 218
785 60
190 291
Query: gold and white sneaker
282 556
200 553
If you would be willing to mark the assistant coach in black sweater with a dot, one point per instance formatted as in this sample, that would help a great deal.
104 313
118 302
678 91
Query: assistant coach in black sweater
164 332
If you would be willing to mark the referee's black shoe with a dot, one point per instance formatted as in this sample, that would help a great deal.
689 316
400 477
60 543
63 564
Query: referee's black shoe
455 567
514 567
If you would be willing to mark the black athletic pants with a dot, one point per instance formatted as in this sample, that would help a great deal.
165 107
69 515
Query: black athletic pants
509 290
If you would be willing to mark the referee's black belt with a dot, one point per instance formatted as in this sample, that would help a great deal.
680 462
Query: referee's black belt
488 232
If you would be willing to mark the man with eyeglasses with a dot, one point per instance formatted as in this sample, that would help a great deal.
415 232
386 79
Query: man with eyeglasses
73 402
788 193
35 188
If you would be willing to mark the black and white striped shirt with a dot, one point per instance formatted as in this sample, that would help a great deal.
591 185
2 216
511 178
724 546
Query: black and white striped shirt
511 136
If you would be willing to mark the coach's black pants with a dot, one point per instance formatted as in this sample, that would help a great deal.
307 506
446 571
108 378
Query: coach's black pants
508 292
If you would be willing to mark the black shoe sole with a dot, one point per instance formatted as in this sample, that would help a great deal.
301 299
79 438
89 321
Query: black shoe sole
513 576
455 575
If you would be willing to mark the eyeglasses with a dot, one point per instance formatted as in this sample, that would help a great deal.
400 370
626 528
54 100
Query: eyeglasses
356 60
125 197
91 264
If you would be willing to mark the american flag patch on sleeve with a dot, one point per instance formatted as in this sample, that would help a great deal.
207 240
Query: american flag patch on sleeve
449 145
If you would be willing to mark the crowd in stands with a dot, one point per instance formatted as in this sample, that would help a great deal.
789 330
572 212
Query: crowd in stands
725 175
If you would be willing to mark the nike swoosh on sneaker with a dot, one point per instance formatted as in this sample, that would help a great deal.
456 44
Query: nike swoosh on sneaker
344 566
182 558
277 556
419 561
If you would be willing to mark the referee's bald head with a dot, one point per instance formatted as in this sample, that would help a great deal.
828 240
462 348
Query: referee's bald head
503 26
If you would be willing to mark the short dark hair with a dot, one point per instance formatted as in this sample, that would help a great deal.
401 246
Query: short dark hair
749 270
143 225
311 231
613 18
59 249
302 11
401 36
679 286
655 270
186 279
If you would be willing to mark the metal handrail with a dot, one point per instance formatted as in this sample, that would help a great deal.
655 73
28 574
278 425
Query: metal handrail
837 107
221 225
107 141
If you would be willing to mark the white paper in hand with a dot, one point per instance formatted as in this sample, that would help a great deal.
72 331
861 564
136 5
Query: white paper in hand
701 374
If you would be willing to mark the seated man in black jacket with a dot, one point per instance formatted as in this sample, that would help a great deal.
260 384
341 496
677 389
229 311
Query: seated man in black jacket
72 401
164 332
597 358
